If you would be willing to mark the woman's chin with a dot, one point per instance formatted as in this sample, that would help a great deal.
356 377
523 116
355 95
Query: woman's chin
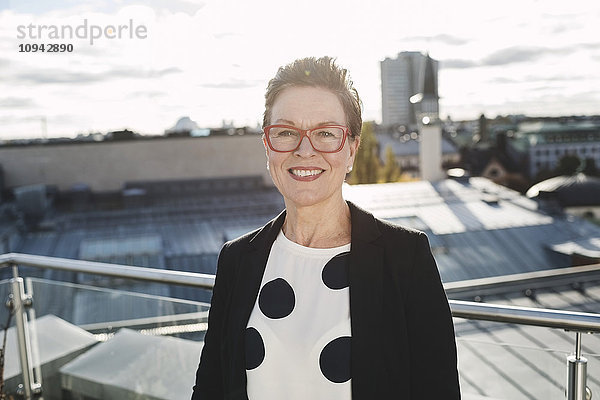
300 200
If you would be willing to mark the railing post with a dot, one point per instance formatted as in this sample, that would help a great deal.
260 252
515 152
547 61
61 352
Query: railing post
37 365
20 303
577 373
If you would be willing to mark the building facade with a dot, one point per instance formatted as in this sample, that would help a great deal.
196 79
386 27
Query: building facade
542 145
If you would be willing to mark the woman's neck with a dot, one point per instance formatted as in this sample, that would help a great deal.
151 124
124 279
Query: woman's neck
318 226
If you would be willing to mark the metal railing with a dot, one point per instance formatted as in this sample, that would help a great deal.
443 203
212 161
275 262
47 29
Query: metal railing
577 322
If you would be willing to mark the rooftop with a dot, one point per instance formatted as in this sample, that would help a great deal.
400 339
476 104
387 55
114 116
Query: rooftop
491 244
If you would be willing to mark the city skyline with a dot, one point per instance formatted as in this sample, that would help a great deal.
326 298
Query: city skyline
211 60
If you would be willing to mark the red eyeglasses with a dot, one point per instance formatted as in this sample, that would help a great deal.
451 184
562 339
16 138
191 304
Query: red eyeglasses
324 139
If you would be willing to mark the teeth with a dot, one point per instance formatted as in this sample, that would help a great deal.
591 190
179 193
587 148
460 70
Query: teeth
304 172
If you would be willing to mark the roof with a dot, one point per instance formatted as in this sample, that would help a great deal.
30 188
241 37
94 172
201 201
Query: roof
407 145
58 342
568 191
587 247
505 361
139 365
476 228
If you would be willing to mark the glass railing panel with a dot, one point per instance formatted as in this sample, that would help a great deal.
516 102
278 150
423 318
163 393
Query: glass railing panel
502 361
94 342
504 371
105 310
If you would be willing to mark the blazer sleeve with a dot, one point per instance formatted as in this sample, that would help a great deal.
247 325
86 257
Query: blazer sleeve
433 373
209 379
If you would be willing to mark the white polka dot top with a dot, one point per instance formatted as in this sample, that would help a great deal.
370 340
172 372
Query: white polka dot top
298 335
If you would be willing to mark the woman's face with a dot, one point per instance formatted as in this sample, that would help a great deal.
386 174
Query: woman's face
306 177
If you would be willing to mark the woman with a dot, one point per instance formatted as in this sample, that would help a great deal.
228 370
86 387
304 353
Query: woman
325 301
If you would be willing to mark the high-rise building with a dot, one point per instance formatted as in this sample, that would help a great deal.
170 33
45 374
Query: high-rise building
402 78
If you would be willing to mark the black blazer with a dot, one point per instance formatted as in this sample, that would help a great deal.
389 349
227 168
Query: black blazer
402 334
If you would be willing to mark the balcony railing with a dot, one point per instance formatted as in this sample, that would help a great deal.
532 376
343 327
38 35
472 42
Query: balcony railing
576 322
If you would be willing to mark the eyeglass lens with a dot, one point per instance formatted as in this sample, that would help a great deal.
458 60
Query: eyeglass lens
322 138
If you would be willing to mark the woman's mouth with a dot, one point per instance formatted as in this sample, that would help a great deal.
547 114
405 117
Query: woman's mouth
305 174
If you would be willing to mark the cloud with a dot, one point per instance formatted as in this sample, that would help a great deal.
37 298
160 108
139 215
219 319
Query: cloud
16 102
189 7
457 64
515 54
589 46
540 78
232 84
503 80
148 94
60 76
444 38
547 88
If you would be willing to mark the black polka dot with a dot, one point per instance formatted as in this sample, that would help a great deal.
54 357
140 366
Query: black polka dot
255 349
335 360
335 272
276 299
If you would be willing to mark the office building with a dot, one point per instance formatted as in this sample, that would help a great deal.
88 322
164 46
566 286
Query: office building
402 78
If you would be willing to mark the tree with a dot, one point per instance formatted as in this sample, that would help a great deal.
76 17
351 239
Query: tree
590 168
366 163
391 170
567 165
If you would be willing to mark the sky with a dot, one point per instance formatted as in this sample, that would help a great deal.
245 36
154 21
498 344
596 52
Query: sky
211 59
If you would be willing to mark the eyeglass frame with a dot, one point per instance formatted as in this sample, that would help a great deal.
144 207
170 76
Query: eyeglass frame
304 132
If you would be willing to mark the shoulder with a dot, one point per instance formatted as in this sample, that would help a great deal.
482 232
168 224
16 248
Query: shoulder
389 228
241 241
386 230
258 238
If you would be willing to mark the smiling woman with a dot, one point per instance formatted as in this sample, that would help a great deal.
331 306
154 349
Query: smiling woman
310 180
325 301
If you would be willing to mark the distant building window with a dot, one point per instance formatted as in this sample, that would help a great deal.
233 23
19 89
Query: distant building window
557 151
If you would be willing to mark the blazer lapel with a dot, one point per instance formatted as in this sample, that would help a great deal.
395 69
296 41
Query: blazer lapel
366 304
253 265
251 268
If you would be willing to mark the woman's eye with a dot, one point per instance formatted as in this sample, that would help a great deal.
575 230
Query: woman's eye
324 134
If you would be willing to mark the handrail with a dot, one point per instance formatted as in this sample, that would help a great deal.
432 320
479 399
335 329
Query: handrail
548 318
522 281
568 320
113 270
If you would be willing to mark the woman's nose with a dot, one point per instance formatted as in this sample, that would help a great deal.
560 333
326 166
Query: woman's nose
305 149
